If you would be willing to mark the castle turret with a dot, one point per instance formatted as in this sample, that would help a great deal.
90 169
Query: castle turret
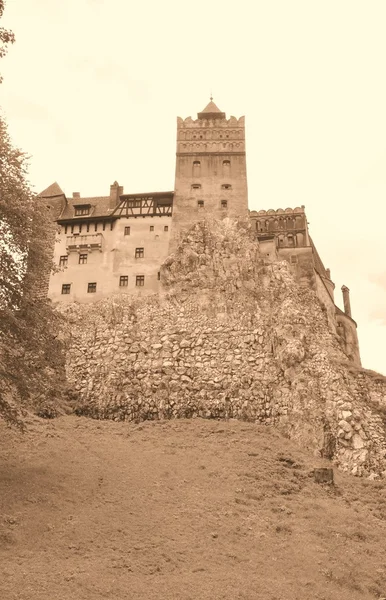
211 177
346 300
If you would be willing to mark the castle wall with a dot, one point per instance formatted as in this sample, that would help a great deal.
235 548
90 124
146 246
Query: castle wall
230 336
110 255
347 332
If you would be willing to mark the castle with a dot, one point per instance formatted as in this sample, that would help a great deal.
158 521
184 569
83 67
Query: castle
117 243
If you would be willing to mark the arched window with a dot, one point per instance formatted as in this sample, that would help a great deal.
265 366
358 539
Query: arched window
196 168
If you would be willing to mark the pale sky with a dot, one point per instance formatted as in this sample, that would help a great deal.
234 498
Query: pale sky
92 89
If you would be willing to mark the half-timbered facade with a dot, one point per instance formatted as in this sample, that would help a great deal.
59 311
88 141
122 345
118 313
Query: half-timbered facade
108 244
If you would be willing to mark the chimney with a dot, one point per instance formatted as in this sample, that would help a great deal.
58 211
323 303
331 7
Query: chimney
114 192
76 194
328 272
346 300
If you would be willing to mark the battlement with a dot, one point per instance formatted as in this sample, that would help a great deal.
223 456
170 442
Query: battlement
204 122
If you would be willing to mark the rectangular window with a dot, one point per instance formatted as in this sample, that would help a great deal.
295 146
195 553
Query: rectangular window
111 225
91 288
66 288
63 260
140 280
88 227
293 259
96 227
82 210
139 252
166 228
159 275
226 186
127 230
151 227
65 228
224 203
123 281
82 259
200 204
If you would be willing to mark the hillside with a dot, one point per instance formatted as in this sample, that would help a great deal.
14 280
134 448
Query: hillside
181 509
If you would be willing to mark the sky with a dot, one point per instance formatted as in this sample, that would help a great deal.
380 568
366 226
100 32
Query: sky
92 89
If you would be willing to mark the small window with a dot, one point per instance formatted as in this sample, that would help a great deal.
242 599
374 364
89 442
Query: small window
291 241
196 163
200 204
65 228
91 288
82 259
139 252
159 275
226 163
166 228
111 225
293 259
88 227
127 230
140 280
123 281
226 186
96 227
63 260
196 186
82 210
66 288
224 203
151 227
104 225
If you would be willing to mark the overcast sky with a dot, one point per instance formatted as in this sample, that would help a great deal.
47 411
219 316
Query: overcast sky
92 89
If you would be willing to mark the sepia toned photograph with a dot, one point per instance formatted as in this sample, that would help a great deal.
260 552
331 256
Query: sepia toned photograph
192 300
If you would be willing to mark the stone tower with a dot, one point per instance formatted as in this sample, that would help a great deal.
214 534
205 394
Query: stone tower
211 176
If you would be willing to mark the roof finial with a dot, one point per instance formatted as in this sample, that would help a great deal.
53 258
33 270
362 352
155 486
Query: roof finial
211 96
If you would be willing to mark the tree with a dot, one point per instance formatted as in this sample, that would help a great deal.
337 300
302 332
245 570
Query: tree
31 357
6 36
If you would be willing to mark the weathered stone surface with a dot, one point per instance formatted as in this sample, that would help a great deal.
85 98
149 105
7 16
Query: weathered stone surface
271 357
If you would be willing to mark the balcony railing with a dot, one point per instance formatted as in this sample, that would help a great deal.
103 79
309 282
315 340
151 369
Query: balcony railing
92 241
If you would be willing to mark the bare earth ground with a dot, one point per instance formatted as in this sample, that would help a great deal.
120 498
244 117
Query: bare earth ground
188 509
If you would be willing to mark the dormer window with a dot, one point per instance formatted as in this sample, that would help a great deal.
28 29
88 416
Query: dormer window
82 210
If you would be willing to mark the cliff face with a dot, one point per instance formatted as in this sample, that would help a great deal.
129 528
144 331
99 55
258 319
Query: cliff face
231 336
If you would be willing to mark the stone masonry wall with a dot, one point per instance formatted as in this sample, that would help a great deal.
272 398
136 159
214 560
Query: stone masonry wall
232 335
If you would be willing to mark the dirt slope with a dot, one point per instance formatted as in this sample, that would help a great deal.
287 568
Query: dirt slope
187 509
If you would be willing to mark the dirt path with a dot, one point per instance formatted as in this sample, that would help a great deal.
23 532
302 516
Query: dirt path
180 510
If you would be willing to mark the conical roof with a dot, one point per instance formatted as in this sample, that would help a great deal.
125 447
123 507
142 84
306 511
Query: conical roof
52 191
211 111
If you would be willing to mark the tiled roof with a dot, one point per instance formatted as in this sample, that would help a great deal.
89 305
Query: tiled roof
211 111
100 206
51 191
319 266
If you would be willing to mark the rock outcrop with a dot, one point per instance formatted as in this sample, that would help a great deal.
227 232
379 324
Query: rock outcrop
232 335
